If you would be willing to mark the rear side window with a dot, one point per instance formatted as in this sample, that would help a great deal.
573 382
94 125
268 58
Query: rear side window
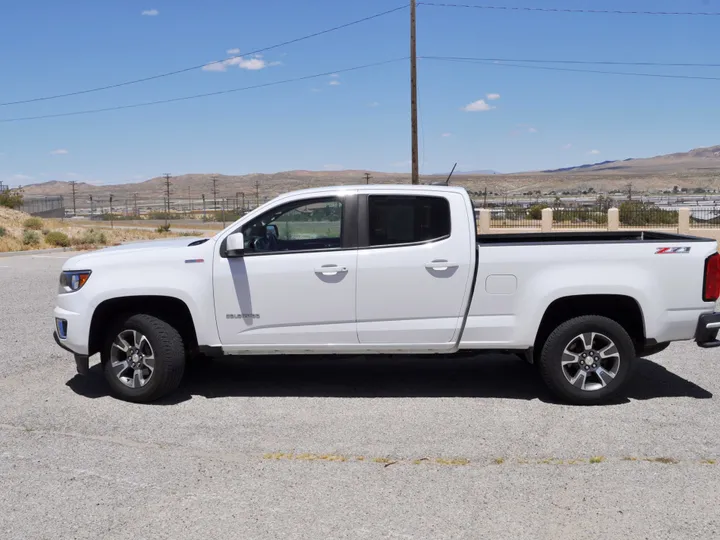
398 219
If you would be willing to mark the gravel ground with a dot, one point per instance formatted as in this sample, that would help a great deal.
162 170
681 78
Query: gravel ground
320 448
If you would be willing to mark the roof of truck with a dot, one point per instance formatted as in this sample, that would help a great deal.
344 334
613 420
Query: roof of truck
377 187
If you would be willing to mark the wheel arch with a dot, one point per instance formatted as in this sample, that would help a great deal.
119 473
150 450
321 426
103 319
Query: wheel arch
172 310
624 310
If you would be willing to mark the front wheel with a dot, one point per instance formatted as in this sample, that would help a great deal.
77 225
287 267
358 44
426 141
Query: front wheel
143 358
587 360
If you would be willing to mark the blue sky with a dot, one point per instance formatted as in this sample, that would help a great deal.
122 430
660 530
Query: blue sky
358 120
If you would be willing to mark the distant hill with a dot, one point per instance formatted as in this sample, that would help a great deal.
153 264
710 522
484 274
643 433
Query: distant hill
700 159
693 169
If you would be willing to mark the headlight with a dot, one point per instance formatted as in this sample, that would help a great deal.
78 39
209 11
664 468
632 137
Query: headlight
73 281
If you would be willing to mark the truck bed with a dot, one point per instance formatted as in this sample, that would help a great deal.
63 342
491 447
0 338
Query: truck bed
601 237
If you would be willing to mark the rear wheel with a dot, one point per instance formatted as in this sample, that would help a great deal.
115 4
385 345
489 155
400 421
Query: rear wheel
143 358
587 360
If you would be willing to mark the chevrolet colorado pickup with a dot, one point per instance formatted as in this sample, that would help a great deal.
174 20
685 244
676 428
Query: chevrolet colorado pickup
387 269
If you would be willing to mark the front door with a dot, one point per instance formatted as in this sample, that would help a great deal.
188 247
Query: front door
294 288
415 264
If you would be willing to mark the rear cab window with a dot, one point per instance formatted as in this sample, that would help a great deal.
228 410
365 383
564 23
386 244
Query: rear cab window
406 219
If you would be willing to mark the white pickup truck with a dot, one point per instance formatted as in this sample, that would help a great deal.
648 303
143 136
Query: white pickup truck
388 269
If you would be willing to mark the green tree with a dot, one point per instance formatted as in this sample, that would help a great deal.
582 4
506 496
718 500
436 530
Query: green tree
11 198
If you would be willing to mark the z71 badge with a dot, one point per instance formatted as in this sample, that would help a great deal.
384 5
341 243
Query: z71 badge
242 316
671 250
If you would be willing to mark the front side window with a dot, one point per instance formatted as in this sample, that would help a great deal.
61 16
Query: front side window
400 219
299 226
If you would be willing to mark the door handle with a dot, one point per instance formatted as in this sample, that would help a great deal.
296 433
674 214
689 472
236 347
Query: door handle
331 270
440 264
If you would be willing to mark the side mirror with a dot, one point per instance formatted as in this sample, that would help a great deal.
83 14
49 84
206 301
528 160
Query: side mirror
236 245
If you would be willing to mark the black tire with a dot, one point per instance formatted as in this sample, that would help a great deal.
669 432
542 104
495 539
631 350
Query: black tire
551 368
169 352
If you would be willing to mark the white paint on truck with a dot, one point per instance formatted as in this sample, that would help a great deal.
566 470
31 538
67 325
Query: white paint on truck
388 269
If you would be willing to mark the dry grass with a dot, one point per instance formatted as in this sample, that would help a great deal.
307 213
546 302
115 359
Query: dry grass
13 222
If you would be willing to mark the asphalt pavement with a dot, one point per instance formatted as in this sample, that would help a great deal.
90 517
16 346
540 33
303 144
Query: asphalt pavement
367 448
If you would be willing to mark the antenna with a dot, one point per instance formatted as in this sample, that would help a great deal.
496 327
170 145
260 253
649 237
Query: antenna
447 182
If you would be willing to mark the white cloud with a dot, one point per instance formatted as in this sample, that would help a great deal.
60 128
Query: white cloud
373 104
150 12
332 167
594 152
275 63
335 75
493 96
251 64
59 152
215 66
446 134
477 106
233 51
532 130
334 83
567 146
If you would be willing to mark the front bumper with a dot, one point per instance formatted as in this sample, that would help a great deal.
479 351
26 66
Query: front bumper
707 330
82 362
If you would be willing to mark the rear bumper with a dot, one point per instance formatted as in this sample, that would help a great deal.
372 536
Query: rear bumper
707 330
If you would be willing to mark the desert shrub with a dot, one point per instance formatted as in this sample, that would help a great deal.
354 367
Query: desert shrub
535 211
3 231
163 228
33 223
90 237
30 238
46 232
57 238
11 199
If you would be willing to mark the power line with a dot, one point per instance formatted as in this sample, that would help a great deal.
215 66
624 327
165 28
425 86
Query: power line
548 68
197 96
192 68
589 62
572 10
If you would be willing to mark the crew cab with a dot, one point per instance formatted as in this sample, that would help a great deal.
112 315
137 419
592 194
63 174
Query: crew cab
388 269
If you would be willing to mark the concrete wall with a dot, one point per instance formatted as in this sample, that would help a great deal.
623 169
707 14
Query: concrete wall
683 227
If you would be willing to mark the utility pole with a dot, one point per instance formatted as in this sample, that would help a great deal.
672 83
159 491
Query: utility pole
223 212
136 206
190 201
629 186
204 214
167 196
367 177
72 185
92 208
214 190
257 192
112 225
243 201
485 198
413 96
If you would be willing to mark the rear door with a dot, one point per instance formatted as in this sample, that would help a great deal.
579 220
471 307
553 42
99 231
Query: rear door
414 269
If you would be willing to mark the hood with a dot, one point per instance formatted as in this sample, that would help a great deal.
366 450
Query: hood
183 241
155 247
